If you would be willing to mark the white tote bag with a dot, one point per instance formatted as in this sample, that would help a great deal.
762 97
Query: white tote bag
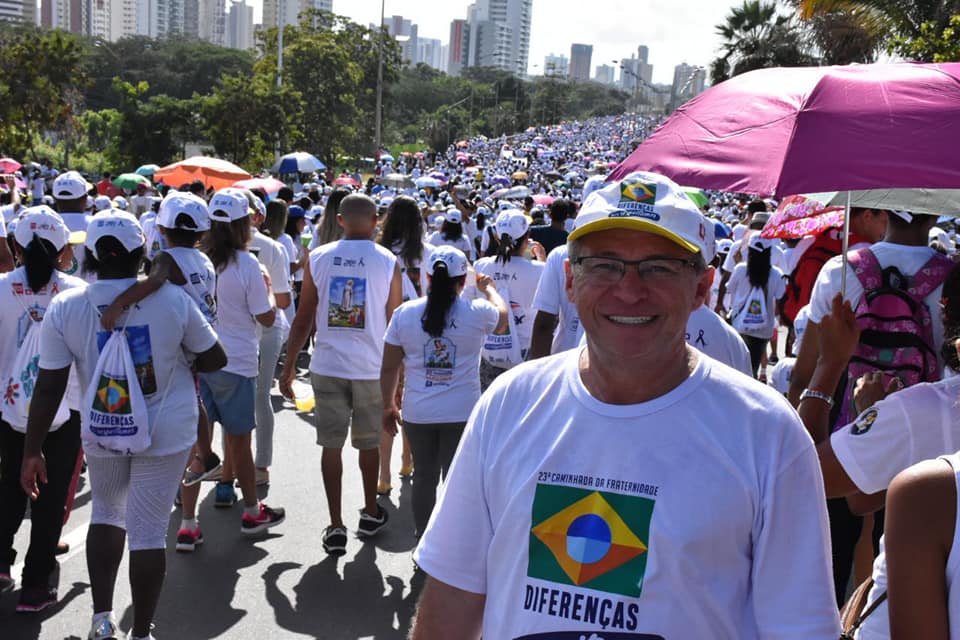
503 350
23 380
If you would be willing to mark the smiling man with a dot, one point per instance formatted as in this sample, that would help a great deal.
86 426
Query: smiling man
633 488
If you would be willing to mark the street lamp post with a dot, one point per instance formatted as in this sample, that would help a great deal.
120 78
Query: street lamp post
376 136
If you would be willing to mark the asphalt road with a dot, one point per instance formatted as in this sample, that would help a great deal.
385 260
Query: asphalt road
280 584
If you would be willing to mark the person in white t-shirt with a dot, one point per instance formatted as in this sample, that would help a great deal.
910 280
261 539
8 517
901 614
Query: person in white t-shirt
70 192
556 326
436 340
516 279
25 294
632 487
244 302
451 233
345 368
131 494
755 287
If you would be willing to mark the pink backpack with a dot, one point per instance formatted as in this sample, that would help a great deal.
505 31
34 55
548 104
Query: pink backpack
896 331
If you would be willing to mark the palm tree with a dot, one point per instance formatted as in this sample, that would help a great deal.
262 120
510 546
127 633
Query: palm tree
893 24
755 36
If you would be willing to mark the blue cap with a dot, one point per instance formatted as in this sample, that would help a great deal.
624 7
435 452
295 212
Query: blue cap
295 211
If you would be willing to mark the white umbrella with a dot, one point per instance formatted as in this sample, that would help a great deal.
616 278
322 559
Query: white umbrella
938 202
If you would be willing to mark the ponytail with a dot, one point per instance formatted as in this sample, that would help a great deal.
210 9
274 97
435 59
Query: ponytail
39 261
441 295
509 247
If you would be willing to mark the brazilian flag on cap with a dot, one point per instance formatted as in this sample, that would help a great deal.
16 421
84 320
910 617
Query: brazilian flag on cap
591 539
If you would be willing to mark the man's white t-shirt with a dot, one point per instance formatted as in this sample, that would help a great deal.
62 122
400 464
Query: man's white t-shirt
442 378
139 205
551 297
740 288
516 282
353 286
19 308
161 330
241 295
437 239
918 423
201 278
698 514
906 258
709 333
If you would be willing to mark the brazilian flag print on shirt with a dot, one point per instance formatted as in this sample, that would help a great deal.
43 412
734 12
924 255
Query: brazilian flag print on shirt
591 539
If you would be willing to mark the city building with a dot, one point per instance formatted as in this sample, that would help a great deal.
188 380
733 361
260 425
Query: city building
430 51
580 55
123 19
405 33
18 11
688 81
239 25
459 47
211 21
644 68
499 34
555 66
605 74
291 10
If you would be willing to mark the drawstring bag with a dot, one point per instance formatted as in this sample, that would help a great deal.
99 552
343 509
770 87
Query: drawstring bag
23 380
114 412
751 318
503 350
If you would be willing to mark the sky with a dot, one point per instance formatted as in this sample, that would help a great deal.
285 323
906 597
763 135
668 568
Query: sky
674 30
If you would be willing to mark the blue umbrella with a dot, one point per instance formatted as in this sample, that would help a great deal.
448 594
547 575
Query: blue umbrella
298 162
720 230
427 181
147 169
386 157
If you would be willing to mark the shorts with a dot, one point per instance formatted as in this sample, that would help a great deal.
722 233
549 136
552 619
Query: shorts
230 400
343 404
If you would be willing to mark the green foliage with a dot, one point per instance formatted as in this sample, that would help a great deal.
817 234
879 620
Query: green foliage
151 128
46 96
932 44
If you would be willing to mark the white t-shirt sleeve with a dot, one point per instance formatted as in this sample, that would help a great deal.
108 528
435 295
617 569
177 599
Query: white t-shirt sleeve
198 335
489 314
3 225
777 283
54 353
548 297
454 547
827 286
256 289
392 335
876 446
278 267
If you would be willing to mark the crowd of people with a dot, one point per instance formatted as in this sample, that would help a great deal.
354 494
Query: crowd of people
624 409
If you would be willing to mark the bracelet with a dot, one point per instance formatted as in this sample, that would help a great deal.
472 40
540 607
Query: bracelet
819 395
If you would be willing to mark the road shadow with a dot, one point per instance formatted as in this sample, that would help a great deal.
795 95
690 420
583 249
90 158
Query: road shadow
29 626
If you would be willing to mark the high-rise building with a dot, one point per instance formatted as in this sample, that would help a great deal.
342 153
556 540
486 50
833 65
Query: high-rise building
430 52
644 68
18 11
405 33
291 10
123 19
643 53
87 17
239 25
555 66
459 47
211 21
580 55
605 74
500 34
688 81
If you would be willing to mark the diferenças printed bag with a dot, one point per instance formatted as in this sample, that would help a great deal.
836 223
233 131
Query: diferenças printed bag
503 350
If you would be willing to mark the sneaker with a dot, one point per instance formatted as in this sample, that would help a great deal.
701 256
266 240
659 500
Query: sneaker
211 470
33 599
267 518
188 540
7 583
104 629
225 497
371 525
335 541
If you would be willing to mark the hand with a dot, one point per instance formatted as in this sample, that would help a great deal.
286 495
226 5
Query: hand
538 251
108 320
285 381
720 310
34 468
390 417
873 387
839 333
483 282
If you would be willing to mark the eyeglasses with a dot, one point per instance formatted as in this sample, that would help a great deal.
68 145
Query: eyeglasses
606 271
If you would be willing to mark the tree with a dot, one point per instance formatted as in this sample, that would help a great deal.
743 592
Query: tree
916 29
151 129
756 36
39 71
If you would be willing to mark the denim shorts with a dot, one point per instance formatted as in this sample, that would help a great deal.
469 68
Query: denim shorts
230 400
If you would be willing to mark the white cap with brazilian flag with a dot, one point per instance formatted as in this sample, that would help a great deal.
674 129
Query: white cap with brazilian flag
644 201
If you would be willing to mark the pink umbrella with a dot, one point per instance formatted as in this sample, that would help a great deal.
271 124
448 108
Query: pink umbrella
9 165
811 129
544 199
346 181
797 216
267 185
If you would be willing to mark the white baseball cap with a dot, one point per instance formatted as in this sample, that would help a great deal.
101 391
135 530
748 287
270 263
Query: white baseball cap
119 202
70 185
512 222
758 243
228 205
453 215
644 201
178 203
115 223
102 202
452 257
43 222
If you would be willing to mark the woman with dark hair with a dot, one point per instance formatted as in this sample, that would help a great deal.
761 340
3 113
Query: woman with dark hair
516 279
451 233
40 245
131 494
755 289
437 341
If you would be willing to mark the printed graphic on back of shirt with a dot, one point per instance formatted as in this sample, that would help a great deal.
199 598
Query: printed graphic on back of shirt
439 360
347 306
138 338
